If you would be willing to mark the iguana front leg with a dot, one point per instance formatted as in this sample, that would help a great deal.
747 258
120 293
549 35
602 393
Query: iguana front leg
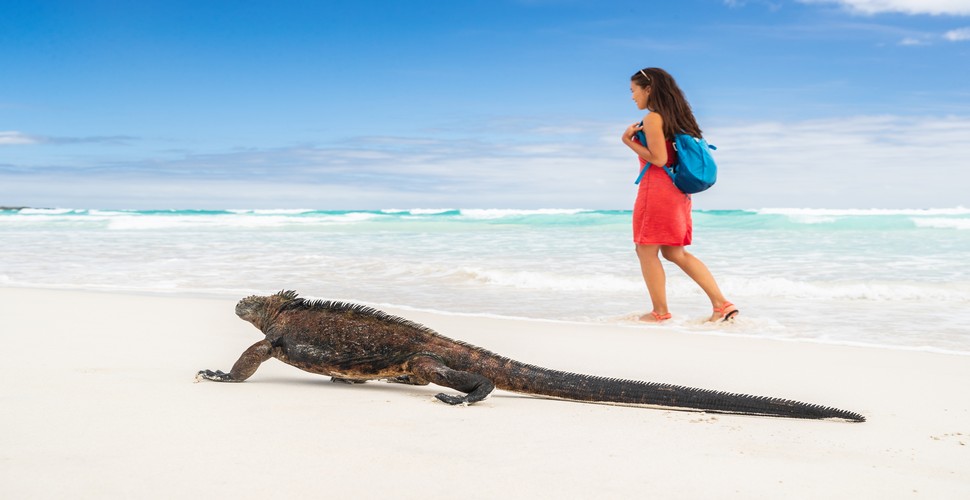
245 366
432 369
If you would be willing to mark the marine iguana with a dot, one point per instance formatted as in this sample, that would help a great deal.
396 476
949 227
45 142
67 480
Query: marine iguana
354 343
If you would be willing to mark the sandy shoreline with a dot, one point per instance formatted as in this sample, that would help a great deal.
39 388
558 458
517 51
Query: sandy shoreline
99 402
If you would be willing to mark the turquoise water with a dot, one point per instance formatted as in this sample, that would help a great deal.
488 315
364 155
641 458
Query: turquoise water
896 278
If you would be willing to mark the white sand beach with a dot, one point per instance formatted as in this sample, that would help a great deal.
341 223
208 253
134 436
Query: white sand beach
98 401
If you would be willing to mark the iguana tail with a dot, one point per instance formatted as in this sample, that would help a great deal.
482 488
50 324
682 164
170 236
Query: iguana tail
529 379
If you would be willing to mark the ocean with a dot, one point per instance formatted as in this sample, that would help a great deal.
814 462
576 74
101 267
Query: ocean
888 278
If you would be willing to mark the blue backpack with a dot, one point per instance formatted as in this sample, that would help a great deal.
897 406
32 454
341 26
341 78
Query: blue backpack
695 169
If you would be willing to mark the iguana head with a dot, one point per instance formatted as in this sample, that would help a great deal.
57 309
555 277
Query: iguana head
260 310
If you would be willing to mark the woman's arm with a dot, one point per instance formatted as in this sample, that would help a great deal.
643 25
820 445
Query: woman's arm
653 130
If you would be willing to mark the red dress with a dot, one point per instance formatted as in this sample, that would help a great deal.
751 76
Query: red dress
661 214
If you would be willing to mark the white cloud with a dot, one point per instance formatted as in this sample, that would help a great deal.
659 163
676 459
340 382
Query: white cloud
912 41
958 35
771 4
13 138
849 162
933 7
854 162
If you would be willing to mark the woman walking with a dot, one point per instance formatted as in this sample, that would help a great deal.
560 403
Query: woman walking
661 215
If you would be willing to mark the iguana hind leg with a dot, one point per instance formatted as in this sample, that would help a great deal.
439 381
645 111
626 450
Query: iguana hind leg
434 370
352 381
408 379
244 367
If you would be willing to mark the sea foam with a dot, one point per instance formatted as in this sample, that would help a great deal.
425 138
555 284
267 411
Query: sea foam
891 277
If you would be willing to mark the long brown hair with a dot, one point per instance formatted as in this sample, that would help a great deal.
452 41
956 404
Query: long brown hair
667 99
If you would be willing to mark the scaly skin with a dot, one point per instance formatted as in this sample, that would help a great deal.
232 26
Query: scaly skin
354 343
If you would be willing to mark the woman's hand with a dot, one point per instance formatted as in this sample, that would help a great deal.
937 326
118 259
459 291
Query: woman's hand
652 127
632 131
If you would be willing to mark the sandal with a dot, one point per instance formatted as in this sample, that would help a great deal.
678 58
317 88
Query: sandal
726 312
657 318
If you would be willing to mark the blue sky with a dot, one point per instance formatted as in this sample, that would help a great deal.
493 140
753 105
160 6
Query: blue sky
511 104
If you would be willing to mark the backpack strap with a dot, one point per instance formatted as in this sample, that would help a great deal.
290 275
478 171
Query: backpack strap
640 177
643 141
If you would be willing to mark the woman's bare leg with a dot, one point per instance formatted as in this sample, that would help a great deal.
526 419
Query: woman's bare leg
698 272
653 275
